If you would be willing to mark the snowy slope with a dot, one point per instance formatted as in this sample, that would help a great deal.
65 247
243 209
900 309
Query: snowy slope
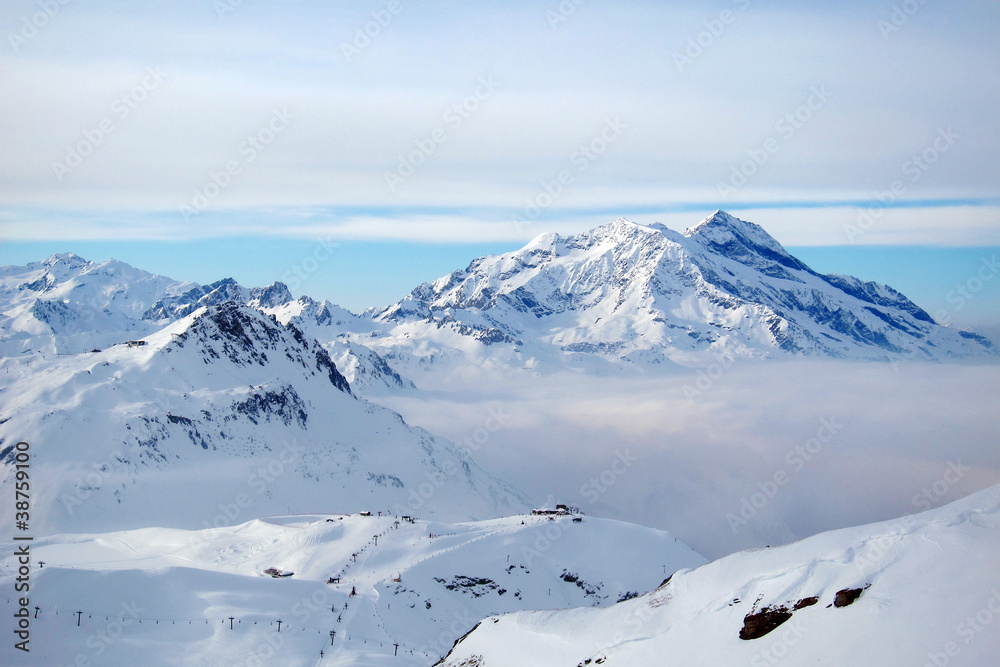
643 296
924 589
220 416
164 597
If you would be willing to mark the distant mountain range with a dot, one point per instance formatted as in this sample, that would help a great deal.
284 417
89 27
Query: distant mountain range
620 296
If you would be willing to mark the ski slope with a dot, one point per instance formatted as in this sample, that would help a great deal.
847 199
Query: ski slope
159 596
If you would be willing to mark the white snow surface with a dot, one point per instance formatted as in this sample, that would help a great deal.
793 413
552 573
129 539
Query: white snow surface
930 595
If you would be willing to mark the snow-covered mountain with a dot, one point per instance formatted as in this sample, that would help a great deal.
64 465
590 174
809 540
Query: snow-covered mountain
69 305
645 295
175 306
66 304
164 597
921 590
222 415
342 332
620 296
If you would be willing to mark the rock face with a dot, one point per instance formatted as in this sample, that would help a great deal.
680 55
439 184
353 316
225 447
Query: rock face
758 624
847 596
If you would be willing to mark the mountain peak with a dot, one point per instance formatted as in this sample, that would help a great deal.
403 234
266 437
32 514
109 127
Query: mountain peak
743 241
721 222
67 258
623 228
275 294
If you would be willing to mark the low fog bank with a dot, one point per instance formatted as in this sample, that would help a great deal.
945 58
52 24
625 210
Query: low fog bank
763 454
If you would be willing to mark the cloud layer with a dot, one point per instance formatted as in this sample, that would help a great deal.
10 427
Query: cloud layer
766 454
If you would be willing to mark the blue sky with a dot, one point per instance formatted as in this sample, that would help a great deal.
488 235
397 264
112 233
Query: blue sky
228 137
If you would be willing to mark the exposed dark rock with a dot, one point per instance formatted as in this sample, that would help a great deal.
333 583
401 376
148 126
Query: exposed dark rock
847 596
756 625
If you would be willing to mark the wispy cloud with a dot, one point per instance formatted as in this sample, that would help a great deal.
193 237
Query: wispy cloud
963 223
558 84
